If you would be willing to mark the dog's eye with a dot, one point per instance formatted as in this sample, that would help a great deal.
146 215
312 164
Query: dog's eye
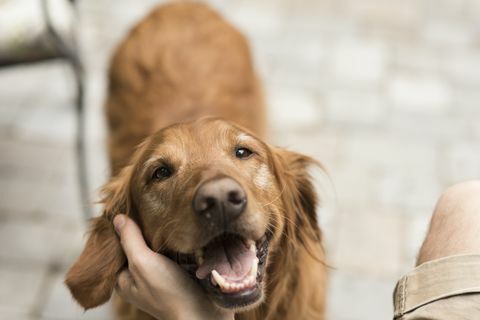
243 153
161 173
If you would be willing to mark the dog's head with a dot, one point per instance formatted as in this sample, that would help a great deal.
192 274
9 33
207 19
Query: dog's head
214 198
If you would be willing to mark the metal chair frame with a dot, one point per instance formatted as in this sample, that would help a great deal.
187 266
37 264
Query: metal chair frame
69 52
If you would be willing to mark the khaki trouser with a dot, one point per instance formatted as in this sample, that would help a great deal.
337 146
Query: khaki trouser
444 289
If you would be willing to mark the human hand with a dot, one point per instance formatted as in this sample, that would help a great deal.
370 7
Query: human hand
157 285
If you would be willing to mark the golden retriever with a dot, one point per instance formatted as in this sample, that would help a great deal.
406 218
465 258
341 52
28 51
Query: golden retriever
238 214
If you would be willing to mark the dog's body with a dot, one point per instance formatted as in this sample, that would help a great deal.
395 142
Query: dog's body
181 63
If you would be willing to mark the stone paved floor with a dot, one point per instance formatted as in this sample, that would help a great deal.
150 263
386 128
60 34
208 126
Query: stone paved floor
385 93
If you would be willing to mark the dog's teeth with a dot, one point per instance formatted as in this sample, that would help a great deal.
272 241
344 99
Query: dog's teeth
227 286
254 268
253 248
219 279
249 242
200 261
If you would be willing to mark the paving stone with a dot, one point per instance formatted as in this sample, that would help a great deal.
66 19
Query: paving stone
473 10
60 116
39 241
323 146
354 297
416 228
359 248
17 315
353 108
398 171
447 36
27 154
391 13
359 62
26 170
422 94
463 162
448 10
266 19
290 108
20 286
416 58
350 183
464 68
60 304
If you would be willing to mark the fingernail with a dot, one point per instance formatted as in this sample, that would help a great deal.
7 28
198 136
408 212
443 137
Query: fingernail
118 222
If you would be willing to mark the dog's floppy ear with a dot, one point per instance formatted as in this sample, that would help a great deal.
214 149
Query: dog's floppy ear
298 194
92 277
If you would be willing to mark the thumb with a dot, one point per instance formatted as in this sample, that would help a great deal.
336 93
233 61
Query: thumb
131 236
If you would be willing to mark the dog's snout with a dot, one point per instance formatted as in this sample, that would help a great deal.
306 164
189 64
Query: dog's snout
220 200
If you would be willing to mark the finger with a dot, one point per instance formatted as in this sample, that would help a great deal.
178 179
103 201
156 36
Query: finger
131 237
125 286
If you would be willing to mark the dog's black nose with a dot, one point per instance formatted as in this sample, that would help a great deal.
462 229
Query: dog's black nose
219 201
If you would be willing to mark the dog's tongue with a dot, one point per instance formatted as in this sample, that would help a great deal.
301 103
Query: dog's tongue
230 257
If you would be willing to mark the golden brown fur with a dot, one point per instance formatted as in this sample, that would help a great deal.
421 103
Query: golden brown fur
181 63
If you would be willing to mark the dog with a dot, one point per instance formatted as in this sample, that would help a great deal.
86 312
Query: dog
189 164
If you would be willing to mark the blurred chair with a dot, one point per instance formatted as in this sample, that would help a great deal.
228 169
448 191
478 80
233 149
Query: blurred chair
32 31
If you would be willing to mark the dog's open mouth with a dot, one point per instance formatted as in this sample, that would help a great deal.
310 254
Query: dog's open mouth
229 267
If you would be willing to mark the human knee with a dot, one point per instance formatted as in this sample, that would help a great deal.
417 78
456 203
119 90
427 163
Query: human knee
455 224
463 191
462 199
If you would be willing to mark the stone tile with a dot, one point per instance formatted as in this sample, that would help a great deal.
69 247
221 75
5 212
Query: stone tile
447 10
18 315
40 102
399 189
29 76
394 14
20 286
8 113
60 119
361 63
39 241
462 162
291 108
447 35
265 18
467 102
473 10
26 170
33 163
359 249
427 128
463 68
60 304
399 171
353 296
350 184
314 18
420 94
415 230
419 58
354 108
61 201
323 145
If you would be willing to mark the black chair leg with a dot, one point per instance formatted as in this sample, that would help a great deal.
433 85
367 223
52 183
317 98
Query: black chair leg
80 142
